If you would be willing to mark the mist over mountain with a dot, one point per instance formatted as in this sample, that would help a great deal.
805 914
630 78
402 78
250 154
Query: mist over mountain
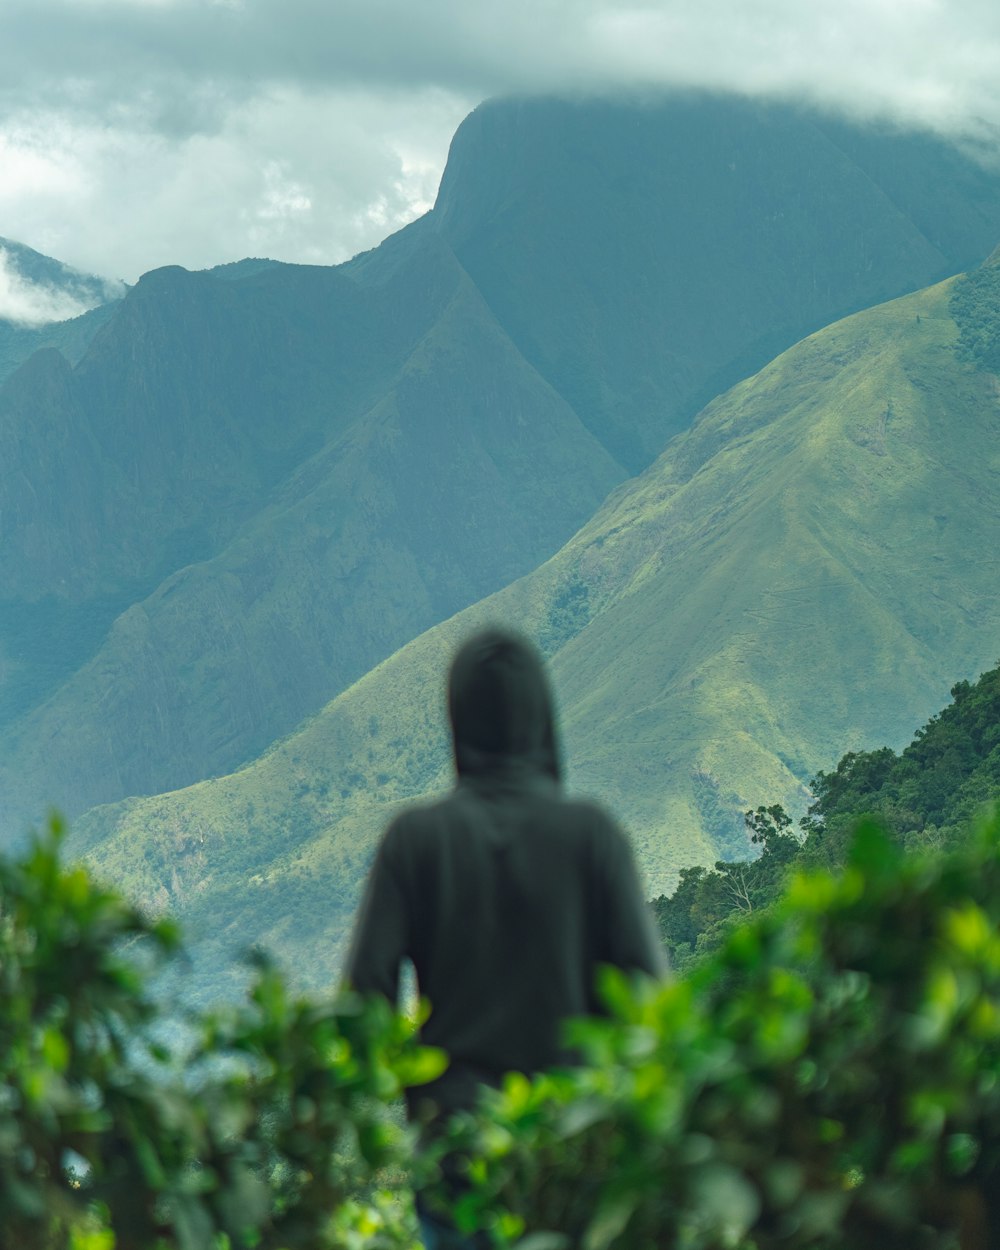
259 482
45 303
35 289
806 571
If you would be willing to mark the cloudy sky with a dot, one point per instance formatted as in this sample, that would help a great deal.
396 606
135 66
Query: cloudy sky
137 133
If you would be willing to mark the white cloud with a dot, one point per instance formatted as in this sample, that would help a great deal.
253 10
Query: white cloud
879 53
32 304
34 163
299 176
927 61
146 132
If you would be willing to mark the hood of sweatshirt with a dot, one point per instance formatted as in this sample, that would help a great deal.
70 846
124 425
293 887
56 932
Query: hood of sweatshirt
501 709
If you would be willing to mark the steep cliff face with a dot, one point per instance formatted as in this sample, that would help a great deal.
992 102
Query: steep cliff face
644 258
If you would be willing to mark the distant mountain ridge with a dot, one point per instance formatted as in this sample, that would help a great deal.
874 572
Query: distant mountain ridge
279 549
256 485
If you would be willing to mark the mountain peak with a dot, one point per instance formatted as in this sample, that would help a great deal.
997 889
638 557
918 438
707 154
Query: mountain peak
643 258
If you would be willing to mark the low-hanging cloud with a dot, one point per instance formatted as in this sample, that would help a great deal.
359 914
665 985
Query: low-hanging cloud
197 130
27 302
183 60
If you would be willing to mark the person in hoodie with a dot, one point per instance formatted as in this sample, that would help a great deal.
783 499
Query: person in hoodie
506 895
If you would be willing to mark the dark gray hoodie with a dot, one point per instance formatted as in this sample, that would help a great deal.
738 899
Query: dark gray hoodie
506 895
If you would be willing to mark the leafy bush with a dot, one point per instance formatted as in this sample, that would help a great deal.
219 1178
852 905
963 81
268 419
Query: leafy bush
265 1136
830 1078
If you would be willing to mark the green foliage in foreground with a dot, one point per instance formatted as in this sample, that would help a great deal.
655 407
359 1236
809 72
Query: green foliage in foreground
830 1078
276 1120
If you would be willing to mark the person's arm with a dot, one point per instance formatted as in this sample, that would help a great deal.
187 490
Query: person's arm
381 932
632 942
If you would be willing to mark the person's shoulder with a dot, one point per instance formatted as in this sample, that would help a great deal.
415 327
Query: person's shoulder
591 817
589 810
417 820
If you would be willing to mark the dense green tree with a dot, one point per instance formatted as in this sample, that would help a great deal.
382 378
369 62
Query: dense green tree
124 1124
975 306
926 796
701 912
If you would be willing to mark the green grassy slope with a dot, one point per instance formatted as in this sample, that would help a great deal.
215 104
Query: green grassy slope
806 571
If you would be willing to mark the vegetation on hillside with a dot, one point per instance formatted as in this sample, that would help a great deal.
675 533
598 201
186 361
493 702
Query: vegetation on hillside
925 797
975 306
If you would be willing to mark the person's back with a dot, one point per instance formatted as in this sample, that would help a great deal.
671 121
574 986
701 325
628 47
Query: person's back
506 895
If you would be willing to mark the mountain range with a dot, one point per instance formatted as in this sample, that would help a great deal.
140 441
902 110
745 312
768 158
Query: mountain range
240 494
258 482
805 572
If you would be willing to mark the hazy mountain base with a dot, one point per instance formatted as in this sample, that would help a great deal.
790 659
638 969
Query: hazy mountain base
805 572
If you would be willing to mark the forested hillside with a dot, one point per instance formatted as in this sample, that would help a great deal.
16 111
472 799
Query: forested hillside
926 797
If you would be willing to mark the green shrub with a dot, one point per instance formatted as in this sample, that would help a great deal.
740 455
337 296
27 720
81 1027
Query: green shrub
830 1078
975 306
267 1135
